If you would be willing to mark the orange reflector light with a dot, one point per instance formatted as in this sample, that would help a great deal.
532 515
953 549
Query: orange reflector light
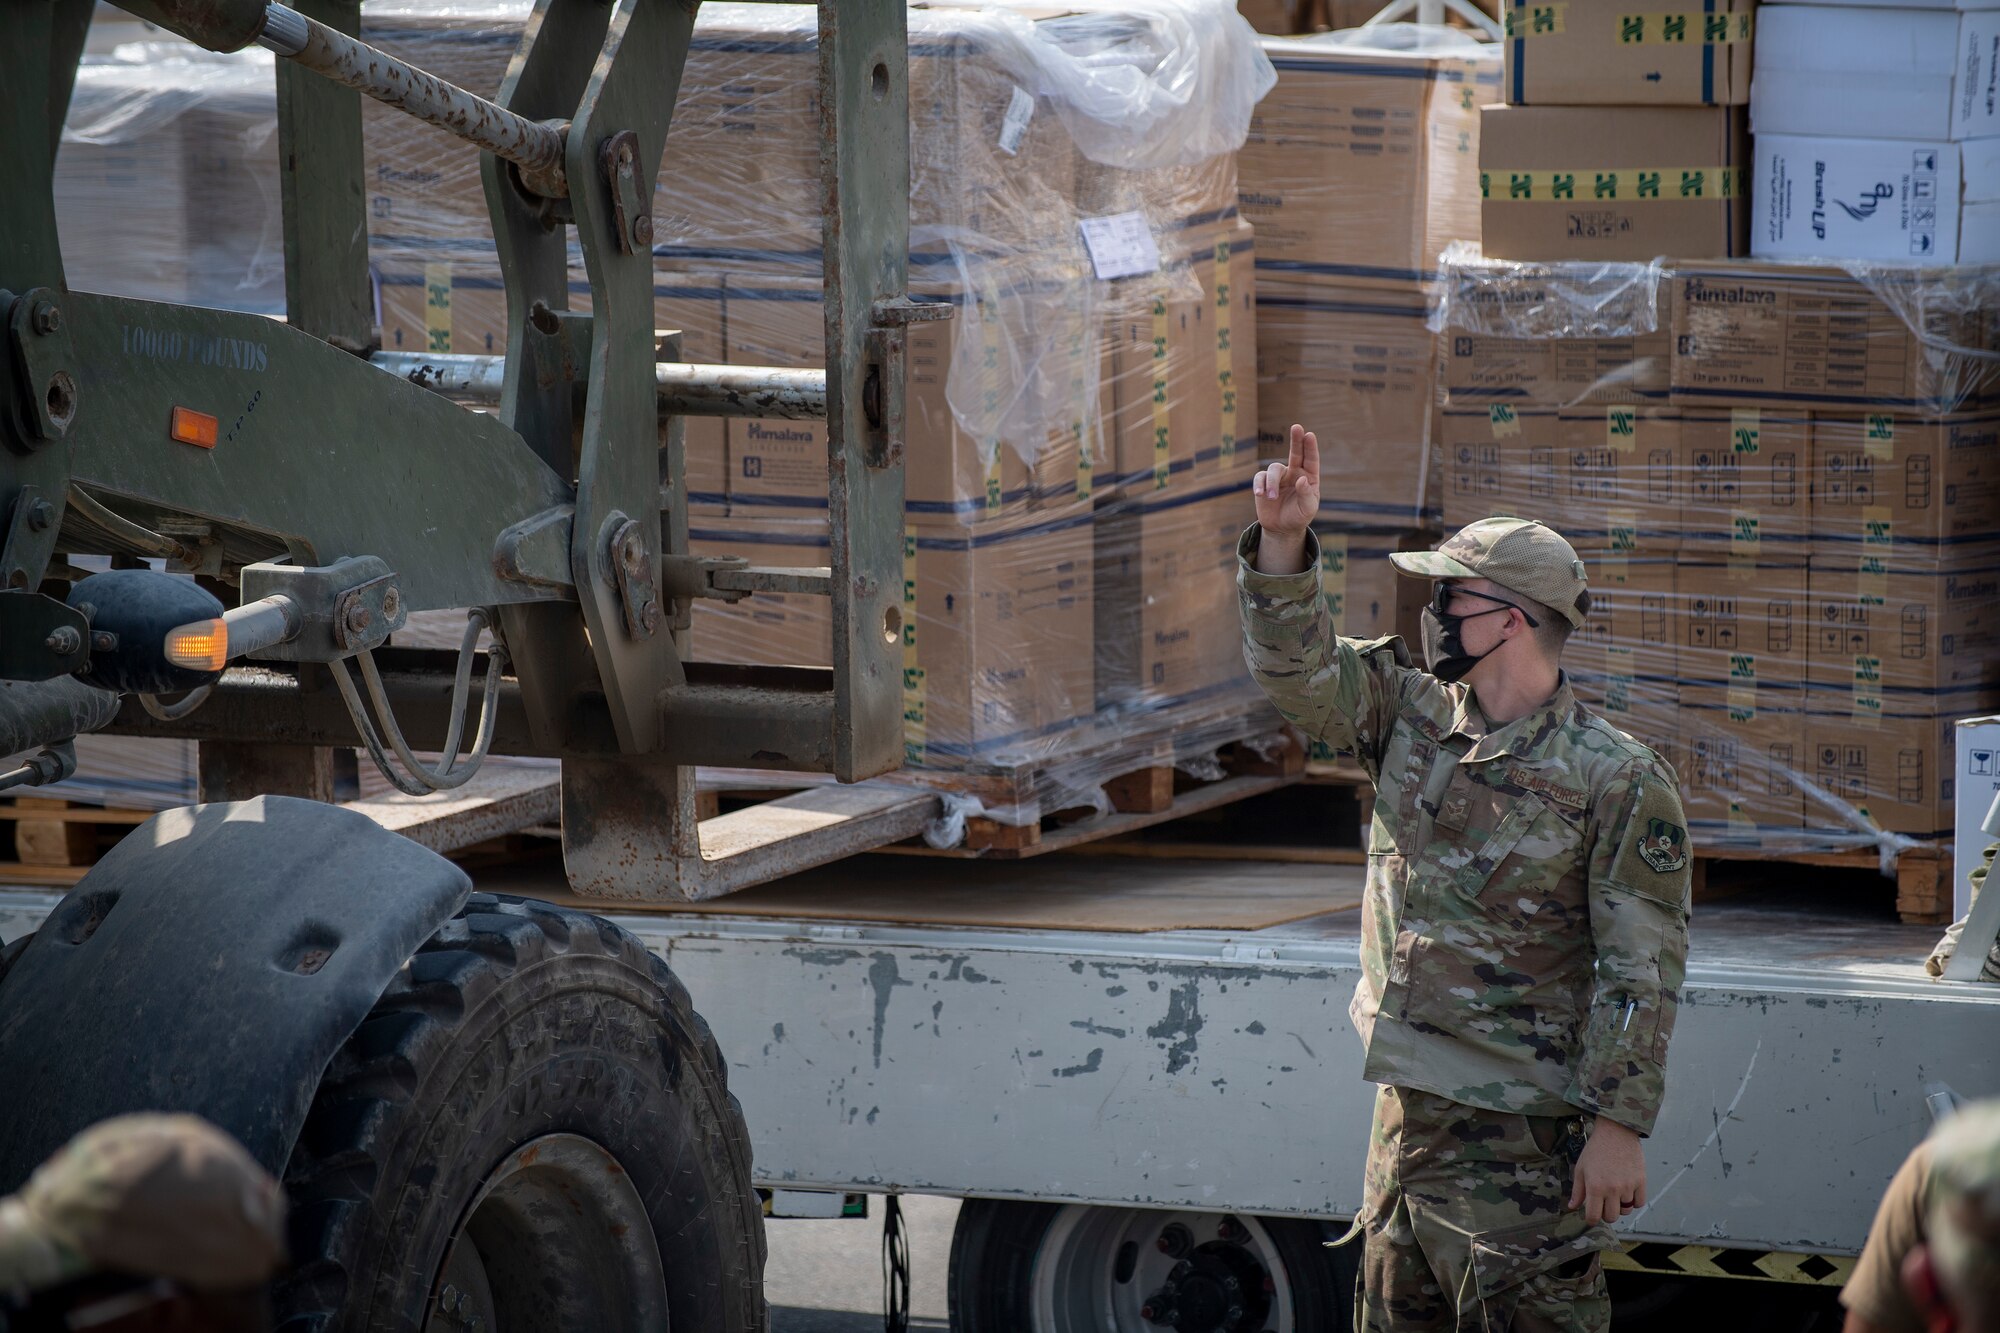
192 427
201 646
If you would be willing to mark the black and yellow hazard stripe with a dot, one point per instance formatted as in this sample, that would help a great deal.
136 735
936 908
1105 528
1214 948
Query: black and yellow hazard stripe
1815 1270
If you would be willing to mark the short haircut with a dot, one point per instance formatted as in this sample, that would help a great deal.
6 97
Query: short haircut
1552 627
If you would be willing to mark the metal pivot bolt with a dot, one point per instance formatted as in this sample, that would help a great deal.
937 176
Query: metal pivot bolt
631 571
40 514
64 641
631 206
47 317
358 618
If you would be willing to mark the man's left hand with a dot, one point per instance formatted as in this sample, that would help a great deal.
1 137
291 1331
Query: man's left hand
1610 1174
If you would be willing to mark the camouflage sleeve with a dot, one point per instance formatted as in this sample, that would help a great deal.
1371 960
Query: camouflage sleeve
1639 887
1316 679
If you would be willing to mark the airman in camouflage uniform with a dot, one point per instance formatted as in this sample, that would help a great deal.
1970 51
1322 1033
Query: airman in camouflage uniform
1524 930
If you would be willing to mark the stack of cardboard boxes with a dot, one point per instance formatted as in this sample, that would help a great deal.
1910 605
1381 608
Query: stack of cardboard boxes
1790 502
1359 171
1878 132
1078 444
1623 134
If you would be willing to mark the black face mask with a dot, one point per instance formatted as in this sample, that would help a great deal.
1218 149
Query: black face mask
1444 646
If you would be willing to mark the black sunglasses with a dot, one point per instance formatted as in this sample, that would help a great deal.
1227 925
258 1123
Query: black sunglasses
1441 602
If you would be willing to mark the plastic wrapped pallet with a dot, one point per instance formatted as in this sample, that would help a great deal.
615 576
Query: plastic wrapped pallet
166 183
1782 480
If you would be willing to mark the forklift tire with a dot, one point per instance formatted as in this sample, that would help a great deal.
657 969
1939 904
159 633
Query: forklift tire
1056 1268
531 1129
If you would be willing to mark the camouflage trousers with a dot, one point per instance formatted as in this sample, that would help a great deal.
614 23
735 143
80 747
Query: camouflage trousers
1466 1226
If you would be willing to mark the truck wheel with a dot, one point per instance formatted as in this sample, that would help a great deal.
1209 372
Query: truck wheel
1056 1268
530 1130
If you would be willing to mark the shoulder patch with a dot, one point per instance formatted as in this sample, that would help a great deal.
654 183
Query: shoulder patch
1664 846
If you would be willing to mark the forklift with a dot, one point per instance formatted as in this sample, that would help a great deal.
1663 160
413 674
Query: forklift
488 1113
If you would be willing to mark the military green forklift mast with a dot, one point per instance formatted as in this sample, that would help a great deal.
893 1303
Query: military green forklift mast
281 461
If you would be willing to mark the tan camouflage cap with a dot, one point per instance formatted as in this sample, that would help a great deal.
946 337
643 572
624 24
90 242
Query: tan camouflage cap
1519 554
165 1196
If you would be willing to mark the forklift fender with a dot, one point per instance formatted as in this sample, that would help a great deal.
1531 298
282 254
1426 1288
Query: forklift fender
212 963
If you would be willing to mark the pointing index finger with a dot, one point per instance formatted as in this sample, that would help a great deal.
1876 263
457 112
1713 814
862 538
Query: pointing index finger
1298 446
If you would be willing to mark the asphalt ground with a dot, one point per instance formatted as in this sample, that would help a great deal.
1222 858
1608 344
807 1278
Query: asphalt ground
826 1276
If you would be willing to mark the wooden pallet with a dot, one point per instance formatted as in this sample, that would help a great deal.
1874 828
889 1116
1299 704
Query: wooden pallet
1044 817
1923 875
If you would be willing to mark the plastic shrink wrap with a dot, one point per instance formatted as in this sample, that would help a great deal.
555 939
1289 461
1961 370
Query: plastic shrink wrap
1080 435
1786 481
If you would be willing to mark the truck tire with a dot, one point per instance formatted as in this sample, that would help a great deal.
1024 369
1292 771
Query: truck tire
1070 1268
531 1129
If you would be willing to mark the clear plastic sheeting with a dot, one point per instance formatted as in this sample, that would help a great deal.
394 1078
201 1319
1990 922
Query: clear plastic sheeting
1500 298
166 182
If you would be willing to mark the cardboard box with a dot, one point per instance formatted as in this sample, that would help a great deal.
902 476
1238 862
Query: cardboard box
1900 486
1876 73
1613 182
1166 594
1486 452
1272 16
1978 782
1600 53
1894 199
777 629
1745 492
1363 163
1743 775
1357 366
1893 772
1743 629
1612 479
1363 592
997 649
1167 400
1553 335
1622 662
1795 336
1894 631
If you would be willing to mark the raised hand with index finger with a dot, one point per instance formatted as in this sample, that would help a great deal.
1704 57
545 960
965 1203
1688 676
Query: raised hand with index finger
1287 493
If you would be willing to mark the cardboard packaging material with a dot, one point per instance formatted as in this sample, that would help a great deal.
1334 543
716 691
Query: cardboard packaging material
1746 493
777 629
1166 596
1896 633
1978 782
1613 182
1892 199
998 626
1363 163
450 302
1364 594
1622 662
1600 53
1612 479
1358 367
1891 772
1904 487
1876 73
1554 372
1763 334
1486 452
1183 397
1743 775
1279 17
1553 335
1743 629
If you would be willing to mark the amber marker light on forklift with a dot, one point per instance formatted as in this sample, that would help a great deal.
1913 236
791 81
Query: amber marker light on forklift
202 646
207 645
192 427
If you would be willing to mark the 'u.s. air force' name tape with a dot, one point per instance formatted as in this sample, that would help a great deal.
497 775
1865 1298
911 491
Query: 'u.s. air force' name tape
1638 29
1634 183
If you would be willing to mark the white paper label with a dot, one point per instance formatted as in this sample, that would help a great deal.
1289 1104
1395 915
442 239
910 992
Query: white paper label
1121 245
1020 110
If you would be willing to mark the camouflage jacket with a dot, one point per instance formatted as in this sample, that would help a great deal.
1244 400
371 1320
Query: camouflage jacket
1524 930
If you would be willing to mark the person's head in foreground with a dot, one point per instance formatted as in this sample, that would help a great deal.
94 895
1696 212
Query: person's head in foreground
1953 1278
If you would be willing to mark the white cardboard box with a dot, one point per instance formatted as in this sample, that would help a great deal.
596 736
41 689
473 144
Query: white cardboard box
1960 5
1889 199
1978 783
1876 73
